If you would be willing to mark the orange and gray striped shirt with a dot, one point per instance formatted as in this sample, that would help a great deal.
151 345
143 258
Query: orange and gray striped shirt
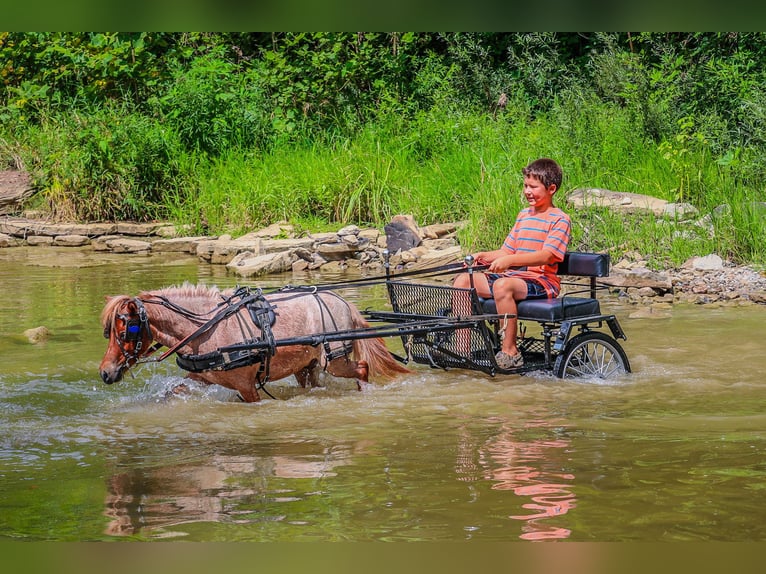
549 231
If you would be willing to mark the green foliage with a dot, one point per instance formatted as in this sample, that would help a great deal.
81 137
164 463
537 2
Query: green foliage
213 106
227 131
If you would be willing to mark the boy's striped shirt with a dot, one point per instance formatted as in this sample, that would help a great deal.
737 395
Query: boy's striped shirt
549 231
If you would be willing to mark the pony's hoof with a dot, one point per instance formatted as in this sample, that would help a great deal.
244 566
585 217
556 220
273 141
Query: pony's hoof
179 390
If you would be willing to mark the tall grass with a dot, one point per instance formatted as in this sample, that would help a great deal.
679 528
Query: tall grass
446 164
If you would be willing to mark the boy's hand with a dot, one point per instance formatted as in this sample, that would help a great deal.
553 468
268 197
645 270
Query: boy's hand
500 264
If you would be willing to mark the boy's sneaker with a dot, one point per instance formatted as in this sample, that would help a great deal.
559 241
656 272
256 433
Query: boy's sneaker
508 362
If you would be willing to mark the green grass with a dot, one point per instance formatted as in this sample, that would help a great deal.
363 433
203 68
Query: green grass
443 165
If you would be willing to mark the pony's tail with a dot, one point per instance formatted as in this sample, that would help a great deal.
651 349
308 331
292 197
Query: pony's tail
379 359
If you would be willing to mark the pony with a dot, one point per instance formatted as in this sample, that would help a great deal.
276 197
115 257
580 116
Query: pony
241 339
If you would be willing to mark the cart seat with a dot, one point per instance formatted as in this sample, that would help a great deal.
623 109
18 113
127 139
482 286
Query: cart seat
577 264
557 309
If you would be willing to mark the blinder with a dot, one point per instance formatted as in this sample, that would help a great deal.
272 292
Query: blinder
134 329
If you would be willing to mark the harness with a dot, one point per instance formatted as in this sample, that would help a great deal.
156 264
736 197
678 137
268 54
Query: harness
251 351
254 349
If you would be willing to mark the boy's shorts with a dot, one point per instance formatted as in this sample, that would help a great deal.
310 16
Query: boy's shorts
534 289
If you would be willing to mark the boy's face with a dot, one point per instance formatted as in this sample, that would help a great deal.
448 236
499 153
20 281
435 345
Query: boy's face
537 195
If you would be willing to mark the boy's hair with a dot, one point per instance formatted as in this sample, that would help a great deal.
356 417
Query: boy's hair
546 171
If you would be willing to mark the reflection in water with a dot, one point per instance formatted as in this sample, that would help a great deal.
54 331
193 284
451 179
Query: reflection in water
523 466
224 489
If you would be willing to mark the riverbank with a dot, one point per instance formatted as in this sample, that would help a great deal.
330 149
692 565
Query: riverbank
703 280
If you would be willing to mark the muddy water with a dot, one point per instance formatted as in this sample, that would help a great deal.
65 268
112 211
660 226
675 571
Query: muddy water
674 451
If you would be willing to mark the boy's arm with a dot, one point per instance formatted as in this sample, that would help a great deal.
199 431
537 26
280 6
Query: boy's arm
526 259
484 257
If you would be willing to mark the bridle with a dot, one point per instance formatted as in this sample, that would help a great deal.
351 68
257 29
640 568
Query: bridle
136 328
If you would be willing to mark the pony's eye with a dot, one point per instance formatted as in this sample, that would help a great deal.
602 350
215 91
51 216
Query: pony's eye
106 332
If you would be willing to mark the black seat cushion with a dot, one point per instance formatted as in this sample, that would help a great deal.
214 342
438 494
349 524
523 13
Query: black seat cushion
550 309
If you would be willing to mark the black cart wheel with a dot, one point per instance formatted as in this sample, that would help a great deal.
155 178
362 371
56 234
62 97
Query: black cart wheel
591 354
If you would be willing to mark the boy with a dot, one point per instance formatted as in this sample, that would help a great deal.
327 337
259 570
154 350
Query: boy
525 265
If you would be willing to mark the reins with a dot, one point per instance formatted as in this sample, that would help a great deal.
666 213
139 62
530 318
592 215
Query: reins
447 269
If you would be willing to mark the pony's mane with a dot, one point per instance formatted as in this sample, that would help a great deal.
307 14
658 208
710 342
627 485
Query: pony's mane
110 310
186 293
195 298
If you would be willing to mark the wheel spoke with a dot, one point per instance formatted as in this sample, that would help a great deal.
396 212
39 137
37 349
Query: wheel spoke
593 355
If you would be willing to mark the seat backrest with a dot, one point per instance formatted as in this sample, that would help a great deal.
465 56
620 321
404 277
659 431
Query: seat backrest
584 264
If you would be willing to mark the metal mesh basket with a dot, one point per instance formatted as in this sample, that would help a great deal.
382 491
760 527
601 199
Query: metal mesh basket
446 345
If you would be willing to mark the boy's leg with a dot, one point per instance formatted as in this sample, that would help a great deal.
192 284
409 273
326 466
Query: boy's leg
507 291
461 305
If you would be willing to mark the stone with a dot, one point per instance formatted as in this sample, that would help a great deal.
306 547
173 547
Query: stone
638 277
176 245
336 251
247 265
38 334
279 245
352 240
623 202
680 210
70 240
281 229
122 245
710 262
15 187
370 235
36 240
348 230
139 229
300 265
8 241
402 234
437 230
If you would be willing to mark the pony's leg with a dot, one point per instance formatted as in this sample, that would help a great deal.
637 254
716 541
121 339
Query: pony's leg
348 369
240 383
309 375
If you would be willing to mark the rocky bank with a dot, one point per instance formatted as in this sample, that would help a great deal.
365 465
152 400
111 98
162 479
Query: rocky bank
705 280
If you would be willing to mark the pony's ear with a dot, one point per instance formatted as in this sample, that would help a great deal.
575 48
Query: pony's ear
108 298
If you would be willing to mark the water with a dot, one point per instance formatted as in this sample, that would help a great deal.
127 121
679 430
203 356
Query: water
673 452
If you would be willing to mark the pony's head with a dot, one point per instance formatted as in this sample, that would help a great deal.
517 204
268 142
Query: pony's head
126 326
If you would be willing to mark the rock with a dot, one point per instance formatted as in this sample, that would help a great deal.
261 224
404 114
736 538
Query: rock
249 265
680 210
370 235
637 277
36 240
349 230
139 229
710 262
122 245
70 240
15 188
337 251
176 245
281 229
615 200
172 231
280 245
402 234
37 334
438 230
8 241
351 240
300 265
